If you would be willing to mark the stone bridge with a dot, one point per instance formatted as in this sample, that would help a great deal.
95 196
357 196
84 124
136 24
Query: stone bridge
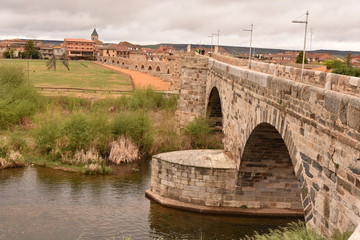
296 145
293 144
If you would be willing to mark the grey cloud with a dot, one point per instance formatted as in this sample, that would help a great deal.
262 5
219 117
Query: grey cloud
187 21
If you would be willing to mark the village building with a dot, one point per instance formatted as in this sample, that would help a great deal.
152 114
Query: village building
77 48
59 51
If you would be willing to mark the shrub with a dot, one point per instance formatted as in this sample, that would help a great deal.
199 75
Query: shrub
47 134
17 141
17 99
201 135
136 126
76 133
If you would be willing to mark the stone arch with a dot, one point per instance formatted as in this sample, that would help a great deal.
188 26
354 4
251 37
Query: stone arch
266 170
149 68
142 67
136 66
157 68
118 62
168 71
122 63
113 61
214 110
105 60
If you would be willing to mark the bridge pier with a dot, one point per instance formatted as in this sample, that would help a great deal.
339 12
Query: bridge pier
192 97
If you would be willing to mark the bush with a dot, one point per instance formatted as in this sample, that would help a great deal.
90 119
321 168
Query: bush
76 133
17 99
136 126
201 135
46 135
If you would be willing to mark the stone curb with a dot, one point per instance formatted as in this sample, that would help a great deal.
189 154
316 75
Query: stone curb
258 212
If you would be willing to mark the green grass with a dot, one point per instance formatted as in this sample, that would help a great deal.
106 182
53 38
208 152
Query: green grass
82 74
296 231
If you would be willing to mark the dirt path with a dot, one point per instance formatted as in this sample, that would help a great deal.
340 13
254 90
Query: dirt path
141 80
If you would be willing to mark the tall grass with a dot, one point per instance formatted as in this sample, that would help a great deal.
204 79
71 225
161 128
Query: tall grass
296 231
18 100
201 135
135 126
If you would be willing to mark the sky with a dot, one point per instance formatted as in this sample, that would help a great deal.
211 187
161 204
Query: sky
334 24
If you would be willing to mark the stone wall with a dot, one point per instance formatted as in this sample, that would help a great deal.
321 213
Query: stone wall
199 177
329 81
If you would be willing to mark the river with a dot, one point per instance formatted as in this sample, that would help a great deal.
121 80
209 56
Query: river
42 203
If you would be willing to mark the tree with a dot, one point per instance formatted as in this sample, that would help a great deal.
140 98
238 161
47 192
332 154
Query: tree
30 50
9 53
348 60
299 58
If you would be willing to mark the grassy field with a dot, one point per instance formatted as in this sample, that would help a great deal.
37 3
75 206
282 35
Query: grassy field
82 74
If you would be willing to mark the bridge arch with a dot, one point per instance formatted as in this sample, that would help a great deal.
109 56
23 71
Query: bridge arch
214 110
266 170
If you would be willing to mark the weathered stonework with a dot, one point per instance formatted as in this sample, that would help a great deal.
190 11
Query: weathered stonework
319 127
195 176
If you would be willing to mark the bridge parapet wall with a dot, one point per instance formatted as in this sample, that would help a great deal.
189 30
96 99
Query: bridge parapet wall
328 81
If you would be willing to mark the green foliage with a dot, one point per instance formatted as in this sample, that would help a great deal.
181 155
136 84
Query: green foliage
200 134
147 100
17 141
47 134
9 53
17 99
30 50
76 133
73 104
295 231
344 68
299 58
97 169
136 126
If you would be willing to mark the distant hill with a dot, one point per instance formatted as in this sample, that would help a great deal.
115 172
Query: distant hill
238 50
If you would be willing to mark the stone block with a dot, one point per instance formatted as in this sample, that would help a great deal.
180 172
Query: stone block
353 113
332 102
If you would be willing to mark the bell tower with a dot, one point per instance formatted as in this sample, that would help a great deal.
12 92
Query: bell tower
94 36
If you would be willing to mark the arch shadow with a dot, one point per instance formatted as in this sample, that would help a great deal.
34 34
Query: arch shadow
267 170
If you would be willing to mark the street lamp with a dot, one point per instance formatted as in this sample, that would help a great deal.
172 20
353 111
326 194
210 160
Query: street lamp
218 36
212 37
303 60
251 31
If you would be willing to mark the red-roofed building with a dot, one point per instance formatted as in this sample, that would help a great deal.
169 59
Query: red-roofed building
77 48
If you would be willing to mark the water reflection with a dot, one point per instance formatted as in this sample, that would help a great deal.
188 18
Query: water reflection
176 224
41 203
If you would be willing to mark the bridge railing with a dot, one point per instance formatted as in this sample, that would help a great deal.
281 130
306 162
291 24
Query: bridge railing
329 81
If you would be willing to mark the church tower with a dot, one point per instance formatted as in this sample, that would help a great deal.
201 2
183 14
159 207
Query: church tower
94 36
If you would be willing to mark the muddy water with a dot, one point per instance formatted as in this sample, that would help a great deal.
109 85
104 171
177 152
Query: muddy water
41 203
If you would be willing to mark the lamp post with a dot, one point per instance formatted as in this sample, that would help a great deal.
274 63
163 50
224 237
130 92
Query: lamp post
218 36
303 60
212 37
251 31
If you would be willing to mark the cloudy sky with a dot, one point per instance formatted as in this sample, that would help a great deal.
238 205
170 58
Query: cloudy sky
335 24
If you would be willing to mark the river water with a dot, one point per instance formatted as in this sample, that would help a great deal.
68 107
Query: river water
42 203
